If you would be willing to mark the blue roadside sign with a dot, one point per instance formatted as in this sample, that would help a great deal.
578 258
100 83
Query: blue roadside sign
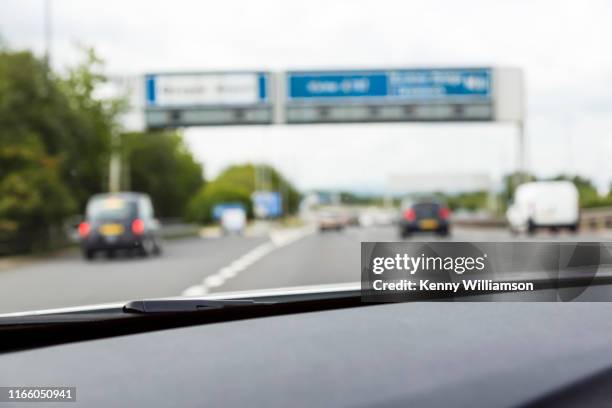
267 204
392 85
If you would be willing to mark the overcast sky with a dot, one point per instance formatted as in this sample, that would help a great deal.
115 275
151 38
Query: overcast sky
562 46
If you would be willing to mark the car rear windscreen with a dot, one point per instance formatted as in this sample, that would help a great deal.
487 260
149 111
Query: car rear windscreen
426 210
111 208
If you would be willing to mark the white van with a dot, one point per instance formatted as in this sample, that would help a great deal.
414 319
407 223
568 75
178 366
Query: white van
544 204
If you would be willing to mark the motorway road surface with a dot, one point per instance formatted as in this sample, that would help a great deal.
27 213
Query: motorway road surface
197 266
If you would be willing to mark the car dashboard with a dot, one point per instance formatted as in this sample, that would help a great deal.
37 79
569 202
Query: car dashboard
407 354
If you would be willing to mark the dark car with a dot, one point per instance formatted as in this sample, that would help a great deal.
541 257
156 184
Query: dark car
119 221
424 216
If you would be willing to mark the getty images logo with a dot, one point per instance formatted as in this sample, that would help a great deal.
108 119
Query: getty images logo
414 264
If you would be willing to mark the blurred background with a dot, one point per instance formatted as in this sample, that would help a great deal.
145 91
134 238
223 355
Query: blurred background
183 148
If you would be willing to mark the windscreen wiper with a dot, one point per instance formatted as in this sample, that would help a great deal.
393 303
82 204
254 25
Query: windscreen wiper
187 305
139 316
308 299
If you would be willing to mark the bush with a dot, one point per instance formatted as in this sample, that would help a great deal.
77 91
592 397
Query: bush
160 164
237 184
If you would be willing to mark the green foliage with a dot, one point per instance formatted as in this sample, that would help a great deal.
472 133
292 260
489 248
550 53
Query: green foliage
160 164
61 114
236 184
470 201
347 197
88 129
55 144
54 141
32 196
216 192
589 197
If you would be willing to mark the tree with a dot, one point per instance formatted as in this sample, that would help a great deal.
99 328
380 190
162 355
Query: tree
347 197
237 184
160 164
88 128
32 197
62 114
472 201
54 142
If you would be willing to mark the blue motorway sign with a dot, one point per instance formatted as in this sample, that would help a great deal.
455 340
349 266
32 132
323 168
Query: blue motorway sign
405 84
267 204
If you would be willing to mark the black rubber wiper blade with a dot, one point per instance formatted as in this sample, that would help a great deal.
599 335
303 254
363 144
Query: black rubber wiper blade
187 305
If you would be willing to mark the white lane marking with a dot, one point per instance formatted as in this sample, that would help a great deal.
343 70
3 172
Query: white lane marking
214 281
278 239
195 290
227 273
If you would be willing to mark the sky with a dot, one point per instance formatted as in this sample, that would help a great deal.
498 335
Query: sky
562 47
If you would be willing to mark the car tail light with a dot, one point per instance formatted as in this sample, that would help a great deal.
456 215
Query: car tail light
444 213
409 214
84 229
138 226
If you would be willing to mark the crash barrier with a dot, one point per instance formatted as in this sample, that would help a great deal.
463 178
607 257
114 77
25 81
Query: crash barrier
596 218
590 219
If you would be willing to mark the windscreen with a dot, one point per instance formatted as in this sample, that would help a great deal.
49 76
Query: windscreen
268 140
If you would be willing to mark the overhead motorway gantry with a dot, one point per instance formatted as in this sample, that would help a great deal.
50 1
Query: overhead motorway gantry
301 97
463 94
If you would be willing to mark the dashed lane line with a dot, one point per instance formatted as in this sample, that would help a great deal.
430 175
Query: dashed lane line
278 239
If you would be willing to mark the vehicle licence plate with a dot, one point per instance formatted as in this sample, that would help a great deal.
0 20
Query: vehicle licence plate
428 224
111 229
